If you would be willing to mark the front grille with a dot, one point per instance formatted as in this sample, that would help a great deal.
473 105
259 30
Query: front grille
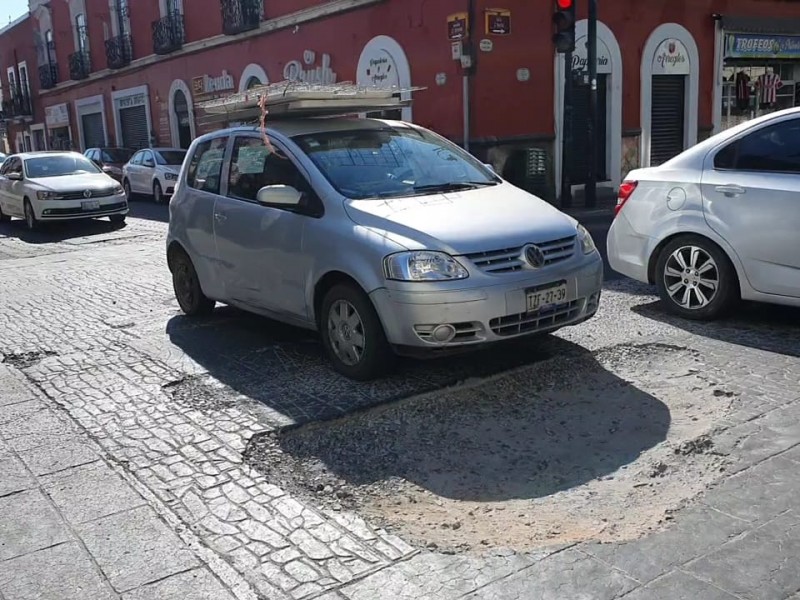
73 212
536 321
95 194
509 260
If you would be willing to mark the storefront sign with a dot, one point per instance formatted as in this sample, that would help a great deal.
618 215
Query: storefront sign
131 101
486 45
671 58
205 84
580 62
378 69
56 116
498 21
754 45
294 70
457 26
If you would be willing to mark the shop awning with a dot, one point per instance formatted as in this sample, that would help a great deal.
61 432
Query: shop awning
784 26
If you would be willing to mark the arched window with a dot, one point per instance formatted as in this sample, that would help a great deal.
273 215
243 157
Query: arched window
182 118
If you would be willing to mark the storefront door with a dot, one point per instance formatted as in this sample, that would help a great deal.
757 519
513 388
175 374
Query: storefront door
667 117
133 122
93 131
578 158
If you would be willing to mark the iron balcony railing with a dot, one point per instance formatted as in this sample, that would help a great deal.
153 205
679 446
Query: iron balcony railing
18 104
119 51
168 34
48 76
79 65
240 15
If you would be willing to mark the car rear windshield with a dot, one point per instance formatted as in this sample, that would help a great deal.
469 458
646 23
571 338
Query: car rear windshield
392 162
117 155
170 157
56 166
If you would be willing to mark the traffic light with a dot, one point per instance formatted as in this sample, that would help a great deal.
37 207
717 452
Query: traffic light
564 19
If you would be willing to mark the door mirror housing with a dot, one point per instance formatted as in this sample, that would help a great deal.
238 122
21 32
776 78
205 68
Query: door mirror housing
279 195
14 176
149 162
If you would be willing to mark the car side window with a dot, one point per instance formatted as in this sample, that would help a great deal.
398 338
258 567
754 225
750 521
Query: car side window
4 166
254 166
205 168
775 148
136 159
15 166
106 157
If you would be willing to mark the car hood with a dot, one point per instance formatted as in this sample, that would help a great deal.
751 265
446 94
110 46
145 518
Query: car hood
480 220
71 183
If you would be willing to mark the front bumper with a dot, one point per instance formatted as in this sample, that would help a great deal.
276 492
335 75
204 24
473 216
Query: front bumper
489 313
57 210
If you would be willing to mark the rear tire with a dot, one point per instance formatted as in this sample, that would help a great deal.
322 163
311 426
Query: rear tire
353 335
30 217
695 279
186 284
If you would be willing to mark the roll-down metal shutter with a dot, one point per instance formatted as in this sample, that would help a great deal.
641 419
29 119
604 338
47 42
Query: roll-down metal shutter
578 159
134 127
93 134
667 117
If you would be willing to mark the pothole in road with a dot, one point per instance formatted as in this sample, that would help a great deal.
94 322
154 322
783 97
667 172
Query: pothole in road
24 360
601 447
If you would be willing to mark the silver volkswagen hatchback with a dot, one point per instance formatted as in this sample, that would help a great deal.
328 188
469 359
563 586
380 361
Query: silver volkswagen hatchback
383 236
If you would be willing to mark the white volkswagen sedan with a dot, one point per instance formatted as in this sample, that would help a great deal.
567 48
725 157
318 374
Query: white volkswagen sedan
153 172
55 186
717 223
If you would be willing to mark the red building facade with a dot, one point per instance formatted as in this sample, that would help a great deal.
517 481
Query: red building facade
128 72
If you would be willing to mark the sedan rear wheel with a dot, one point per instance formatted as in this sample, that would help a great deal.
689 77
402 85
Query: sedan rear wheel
695 279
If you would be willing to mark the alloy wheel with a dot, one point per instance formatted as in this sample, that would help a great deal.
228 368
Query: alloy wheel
346 332
691 277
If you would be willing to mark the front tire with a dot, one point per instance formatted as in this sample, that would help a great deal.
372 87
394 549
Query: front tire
4 218
30 217
186 284
353 335
695 279
126 185
117 219
158 193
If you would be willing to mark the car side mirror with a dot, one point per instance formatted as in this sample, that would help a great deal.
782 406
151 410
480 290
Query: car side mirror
149 163
14 176
279 195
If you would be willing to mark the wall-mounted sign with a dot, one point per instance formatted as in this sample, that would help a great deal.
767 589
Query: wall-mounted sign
205 84
441 78
456 50
523 74
580 62
498 21
457 26
486 45
378 68
671 58
754 45
56 115
294 70
132 101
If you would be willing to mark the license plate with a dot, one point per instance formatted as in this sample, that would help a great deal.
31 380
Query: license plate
543 298
90 205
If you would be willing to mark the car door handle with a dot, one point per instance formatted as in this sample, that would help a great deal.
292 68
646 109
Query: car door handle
730 190
220 216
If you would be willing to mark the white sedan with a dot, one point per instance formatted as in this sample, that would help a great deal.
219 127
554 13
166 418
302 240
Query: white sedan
153 172
55 186
719 222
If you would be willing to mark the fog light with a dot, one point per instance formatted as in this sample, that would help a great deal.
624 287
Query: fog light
444 333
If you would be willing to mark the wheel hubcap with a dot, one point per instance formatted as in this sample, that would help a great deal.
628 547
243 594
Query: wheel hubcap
691 277
346 332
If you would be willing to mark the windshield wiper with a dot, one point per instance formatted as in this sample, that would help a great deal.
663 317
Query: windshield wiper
453 186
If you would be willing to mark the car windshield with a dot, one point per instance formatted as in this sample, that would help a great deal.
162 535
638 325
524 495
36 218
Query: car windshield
393 162
55 166
170 157
117 155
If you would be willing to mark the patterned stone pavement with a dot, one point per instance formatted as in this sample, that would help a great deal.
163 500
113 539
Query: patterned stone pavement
90 332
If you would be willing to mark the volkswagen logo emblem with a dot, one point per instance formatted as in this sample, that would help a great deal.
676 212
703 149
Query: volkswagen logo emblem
533 256
87 194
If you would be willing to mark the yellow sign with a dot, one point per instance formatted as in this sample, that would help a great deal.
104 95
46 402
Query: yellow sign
457 26
498 21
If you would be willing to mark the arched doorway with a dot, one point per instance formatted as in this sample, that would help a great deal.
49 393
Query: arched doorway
181 108
383 63
252 76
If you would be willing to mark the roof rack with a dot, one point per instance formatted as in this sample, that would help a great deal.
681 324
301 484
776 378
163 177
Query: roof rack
291 100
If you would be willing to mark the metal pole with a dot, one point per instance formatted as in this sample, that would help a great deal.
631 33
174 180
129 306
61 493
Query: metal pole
465 94
591 56
566 142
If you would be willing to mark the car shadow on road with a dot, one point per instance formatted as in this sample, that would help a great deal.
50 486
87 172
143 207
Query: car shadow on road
148 210
542 430
62 231
760 326
284 367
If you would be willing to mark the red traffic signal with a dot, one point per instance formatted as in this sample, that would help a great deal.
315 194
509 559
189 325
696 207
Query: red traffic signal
565 4
564 20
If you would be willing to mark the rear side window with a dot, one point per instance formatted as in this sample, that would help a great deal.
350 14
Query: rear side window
205 169
774 149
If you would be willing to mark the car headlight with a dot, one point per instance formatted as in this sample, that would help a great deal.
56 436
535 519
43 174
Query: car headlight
587 243
118 190
170 176
423 265
48 195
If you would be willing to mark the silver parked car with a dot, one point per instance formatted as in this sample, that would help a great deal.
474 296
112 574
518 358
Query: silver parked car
717 223
382 235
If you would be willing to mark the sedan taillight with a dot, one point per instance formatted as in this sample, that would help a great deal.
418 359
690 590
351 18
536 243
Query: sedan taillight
626 188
